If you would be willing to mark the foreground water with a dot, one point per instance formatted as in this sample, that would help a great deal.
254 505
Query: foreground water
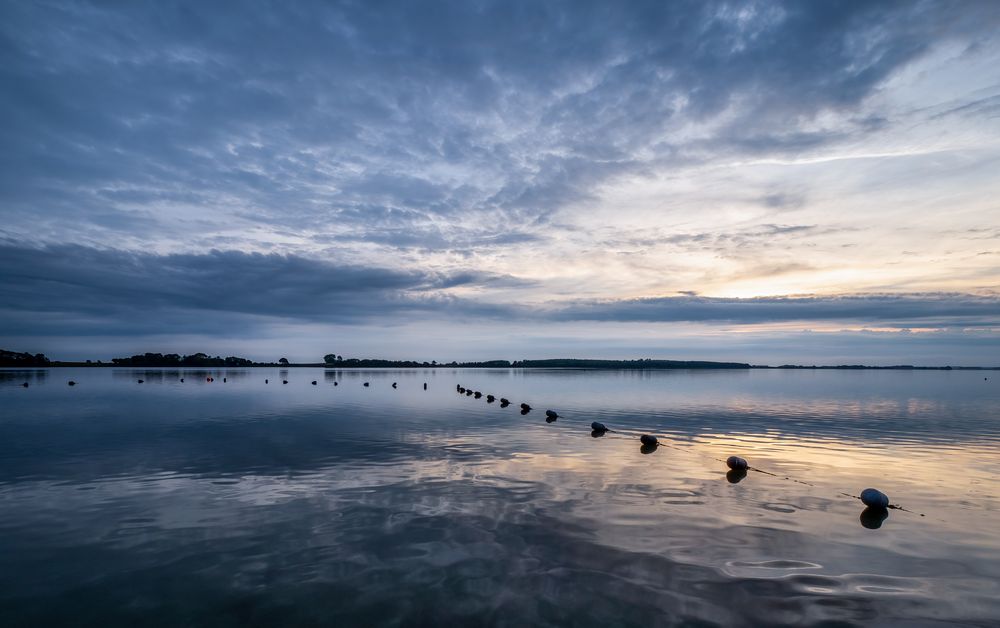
245 503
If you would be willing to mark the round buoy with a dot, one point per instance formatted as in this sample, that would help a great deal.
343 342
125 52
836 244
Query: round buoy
284 381
468 393
335 384
425 385
598 427
224 380
490 398
525 406
458 387
504 403
314 382
182 380
873 518
551 414
649 440
874 498
394 384
140 381
736 463
597 433
366 384
265 381
25 385
71 383
525 411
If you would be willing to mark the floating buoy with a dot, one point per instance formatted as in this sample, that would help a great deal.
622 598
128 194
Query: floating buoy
598 427
314 382
265 381
647 449
649 440
223 380
477 394
425 385
872 518
71 383
525 411
394 384
551 414
736 463
597 433
25 384
140 381
335 383
284 381
458 387
182 380
733 476
468 393
366 384
874 498
490 398
525 406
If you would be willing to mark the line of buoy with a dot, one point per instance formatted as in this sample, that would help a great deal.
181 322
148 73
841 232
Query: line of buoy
876 502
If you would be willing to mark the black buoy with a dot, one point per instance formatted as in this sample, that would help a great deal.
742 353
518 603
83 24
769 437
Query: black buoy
736 463
525 406
525 411
265 381
477 394
504 403
425 385
182 380
366 384
314 382
649 440
874 498
224 380
490 398
872 518
71 383
468 393
733 476
647 449
25 384
597 433
598 427
551 414
458 387
335 383
461 390
284 381
394 384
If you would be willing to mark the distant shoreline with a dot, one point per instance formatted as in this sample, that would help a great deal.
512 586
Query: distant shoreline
785 367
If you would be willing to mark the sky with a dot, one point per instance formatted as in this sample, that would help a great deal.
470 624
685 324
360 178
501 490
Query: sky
764 182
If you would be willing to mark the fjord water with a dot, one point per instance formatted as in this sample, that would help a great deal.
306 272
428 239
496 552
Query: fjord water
245 503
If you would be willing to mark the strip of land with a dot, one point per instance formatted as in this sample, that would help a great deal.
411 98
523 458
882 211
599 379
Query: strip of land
202 360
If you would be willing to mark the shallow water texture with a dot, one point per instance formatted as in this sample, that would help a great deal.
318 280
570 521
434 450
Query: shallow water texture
245 503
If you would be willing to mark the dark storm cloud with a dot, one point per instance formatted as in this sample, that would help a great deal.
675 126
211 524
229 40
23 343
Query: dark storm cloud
890 310
379 115
68 289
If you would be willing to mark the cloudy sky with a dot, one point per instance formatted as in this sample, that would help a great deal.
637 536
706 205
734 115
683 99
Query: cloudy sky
808 182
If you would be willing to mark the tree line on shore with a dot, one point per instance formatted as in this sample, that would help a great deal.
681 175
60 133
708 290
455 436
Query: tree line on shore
332 360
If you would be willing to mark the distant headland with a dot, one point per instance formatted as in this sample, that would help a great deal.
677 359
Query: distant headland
331 360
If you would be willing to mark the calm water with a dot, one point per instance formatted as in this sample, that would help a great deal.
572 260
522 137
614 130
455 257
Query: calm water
245 503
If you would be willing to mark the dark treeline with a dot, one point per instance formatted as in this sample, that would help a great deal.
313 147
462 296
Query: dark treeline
12 358
173 359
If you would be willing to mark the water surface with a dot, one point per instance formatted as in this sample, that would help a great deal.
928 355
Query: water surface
243 503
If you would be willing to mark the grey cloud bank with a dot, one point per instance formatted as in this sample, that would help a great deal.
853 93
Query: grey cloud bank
258 169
